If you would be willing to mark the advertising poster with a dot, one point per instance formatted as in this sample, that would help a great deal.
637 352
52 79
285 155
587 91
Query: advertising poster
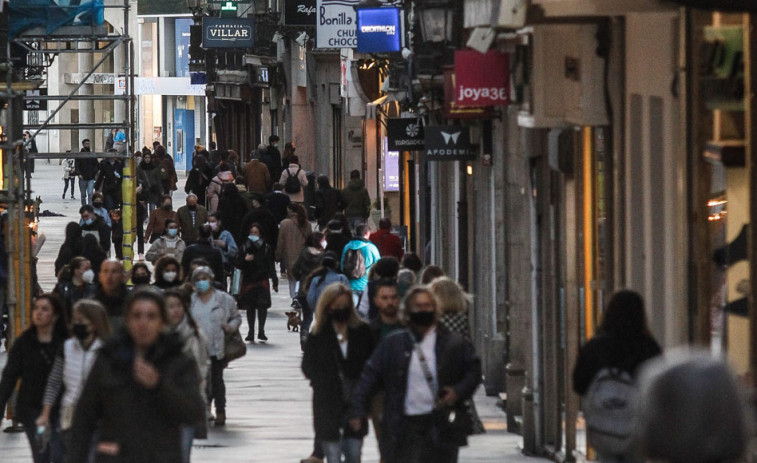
336 24
379 30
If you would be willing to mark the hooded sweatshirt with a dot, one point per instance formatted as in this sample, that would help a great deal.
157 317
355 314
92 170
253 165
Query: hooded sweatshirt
357 198
370 255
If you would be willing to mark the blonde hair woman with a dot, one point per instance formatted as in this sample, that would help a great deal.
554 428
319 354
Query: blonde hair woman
453 305
335 353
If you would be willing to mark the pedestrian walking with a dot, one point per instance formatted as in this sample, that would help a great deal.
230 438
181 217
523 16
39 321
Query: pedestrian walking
168 244
217 316
165 162
257 266
195 346
71 247
69 175
256 174
294 178
263 217
222 240
167 273
203 248
140 392
386 267
231 208
86 169
277 202
293 234
89 325
94 253
358 200
286 156
336 237
309 260
358 257
328 201
335 354
30 360
216 185
387 242
108 182
191 217
111 291
621 345
320 279
271 157
156 226
75 283
430 273
427 373
198 179
148 174
98 206
93 224
117 232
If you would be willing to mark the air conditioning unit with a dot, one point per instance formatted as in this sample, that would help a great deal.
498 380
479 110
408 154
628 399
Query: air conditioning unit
566 78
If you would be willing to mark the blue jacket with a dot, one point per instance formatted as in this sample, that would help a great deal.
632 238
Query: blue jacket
457 366
319 284
370 254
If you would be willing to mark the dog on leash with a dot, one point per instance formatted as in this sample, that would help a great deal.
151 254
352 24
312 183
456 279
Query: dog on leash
294 321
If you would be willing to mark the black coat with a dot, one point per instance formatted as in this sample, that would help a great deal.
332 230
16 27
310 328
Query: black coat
319 363
205 250
87 168
100 229
306 263
457 366
336 242
114 305
31 362
604 350
109 179
271 157
266 220
145 423
252 293
198 181
277 204
328 201
70 294
68 250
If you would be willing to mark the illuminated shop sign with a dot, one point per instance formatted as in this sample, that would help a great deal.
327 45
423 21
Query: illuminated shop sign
379 30
227 32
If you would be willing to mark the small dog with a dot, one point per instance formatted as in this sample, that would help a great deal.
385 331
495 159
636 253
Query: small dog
294 321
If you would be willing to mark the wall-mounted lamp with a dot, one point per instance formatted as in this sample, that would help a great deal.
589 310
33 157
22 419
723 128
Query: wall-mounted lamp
302 39
437 19
469 169
276 37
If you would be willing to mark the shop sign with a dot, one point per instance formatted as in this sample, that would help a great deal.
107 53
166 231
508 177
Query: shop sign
336 24
38 104
482 79
404 134
449 143
379 30
300 13
227 32
455 111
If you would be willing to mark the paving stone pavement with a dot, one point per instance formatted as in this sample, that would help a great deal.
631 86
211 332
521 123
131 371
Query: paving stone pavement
269 400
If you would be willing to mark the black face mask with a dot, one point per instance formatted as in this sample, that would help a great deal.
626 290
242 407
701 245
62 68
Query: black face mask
80 331
141 280
422 319
167 207
341 314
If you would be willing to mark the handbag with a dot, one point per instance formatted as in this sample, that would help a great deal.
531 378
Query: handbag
236 281
234 347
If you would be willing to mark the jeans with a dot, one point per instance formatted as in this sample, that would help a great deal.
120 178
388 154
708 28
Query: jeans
350 447
187 436
54 450
87 189
217 386
66 181
292 285
418 445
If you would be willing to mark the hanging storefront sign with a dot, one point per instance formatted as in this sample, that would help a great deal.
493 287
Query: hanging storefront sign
482 79
336 24
300 13
404 134
227 32
38 104
455 111
449 143
379 30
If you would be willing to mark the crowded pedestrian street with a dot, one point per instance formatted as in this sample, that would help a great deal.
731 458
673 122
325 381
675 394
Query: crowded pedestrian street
269 417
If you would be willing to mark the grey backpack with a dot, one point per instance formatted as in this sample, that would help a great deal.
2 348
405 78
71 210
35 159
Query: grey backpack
609 410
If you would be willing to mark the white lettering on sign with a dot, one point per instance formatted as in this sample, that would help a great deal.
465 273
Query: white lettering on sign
95 78
308 10
476 94
226 34
388 30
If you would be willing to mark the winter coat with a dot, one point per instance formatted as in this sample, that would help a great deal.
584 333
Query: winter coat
68 250
302 177
291 240
228 253
370 255
157 223
100 230
198 181
604 350
457 366
309 260
357 198
231 208
30 361
187 228
69 166
257 176
86 168
195 346
168 173
318 284
265 219
148 175
114 304
214 189
145 423
321 364
70 294
205 250
271 157
255 291
336 241
109 179
328 201
387 243
224 310
165 246
276 202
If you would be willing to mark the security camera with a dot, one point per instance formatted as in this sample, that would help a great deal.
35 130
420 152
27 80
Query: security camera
407 53
302 39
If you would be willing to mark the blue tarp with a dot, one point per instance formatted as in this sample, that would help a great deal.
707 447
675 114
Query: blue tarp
52 14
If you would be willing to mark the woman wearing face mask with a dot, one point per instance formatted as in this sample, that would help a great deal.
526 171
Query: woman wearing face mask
195 347
98 206
75 282
309 260
140 274
148 175
157 224
140 392
167 273
223 241
90 328
335 353
256 261
31 359
169 244
216 314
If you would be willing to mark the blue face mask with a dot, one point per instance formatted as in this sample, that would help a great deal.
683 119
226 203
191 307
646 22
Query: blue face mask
88 222
172 232
253 238
202 285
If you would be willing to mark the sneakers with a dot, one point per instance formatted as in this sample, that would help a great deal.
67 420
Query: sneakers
283 274
262 337
220 417
211 416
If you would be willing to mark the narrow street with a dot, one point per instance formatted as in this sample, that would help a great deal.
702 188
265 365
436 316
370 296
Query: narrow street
269 401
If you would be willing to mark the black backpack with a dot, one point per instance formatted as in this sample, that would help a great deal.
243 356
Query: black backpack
354 264
292 184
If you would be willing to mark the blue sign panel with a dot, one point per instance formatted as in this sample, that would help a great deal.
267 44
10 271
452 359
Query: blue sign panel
378 30
227 32
182 47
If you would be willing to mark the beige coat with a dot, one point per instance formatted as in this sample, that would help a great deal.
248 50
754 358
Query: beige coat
291 240
298 197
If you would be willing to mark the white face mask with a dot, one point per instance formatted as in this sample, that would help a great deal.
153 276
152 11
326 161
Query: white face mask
169 276
88 276
213 225
324 244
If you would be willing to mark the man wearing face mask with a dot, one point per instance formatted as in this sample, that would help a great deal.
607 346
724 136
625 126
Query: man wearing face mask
112 291
157 224
93 224
191 217
427 373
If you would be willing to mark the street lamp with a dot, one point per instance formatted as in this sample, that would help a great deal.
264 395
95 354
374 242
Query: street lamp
437 19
